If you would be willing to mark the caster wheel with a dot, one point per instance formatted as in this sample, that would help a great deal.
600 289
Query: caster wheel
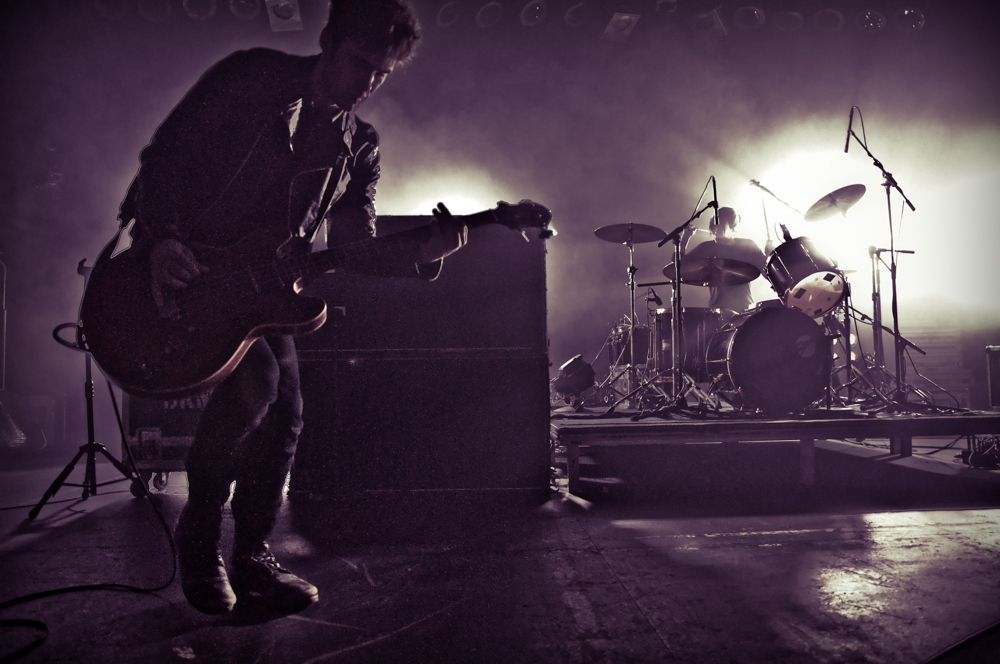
160 481
137 489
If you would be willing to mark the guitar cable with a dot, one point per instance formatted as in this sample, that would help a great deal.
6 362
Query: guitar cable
154 501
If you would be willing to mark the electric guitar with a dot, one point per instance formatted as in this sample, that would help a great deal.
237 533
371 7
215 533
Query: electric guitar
203 330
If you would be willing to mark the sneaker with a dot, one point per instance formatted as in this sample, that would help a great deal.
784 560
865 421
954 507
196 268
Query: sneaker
259 579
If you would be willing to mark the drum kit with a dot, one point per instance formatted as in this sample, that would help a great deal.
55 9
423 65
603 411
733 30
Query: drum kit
775 357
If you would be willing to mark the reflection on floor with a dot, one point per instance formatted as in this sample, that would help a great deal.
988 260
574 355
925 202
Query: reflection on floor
691 576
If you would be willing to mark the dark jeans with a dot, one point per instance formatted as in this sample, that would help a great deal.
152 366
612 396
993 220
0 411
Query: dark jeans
247 434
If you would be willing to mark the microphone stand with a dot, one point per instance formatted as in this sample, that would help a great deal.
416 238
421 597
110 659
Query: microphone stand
676 330
91 448
899 346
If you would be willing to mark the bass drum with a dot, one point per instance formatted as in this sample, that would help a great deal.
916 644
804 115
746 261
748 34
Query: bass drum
776 360
804 278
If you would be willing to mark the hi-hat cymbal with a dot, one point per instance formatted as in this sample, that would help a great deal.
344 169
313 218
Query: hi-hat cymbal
840 201
630 233
715 271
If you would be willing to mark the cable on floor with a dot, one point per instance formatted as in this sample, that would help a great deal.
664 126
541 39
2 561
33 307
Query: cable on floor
121 587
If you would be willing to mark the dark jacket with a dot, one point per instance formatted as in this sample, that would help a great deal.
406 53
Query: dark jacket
222 163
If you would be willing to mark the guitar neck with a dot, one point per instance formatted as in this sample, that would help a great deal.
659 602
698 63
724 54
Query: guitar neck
398 246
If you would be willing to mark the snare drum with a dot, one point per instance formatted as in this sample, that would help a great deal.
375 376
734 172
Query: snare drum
804 278
619 349
699 326
774 359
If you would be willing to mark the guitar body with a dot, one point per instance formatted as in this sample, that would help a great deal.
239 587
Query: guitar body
204 329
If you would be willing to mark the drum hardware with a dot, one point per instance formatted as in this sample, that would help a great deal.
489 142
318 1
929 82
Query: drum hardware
882 380
629 234
888 183
770 193
677 278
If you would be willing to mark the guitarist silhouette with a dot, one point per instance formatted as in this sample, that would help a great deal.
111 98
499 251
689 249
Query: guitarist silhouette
198 289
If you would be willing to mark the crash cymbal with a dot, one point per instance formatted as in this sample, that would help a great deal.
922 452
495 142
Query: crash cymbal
714 271
630 233
840 201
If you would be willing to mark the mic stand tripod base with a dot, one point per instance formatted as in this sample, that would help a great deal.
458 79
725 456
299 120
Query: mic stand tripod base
90 483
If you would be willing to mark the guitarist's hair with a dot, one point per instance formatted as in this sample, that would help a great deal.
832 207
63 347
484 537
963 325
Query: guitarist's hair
382 24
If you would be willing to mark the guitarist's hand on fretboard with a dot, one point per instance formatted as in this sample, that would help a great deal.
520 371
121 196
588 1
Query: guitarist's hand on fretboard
447 235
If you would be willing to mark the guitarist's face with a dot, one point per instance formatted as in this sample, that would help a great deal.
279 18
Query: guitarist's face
348 73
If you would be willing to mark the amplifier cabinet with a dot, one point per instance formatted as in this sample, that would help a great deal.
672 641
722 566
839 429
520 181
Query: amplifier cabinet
430 386
427 420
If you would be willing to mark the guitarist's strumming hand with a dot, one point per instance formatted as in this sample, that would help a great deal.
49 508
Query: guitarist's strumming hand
172 265
448 235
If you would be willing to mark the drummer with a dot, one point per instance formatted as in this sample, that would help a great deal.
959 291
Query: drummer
735 298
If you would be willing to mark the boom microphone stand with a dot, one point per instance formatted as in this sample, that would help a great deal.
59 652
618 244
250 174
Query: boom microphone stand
889 183
91 449
677 327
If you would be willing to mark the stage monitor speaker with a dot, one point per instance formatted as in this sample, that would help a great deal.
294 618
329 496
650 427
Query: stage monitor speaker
993 376
430 386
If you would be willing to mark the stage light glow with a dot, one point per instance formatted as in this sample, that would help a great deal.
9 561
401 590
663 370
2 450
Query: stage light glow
489 14
800 180
456 204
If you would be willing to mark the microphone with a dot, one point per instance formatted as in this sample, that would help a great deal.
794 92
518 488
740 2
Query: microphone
715 201
850 122
655 298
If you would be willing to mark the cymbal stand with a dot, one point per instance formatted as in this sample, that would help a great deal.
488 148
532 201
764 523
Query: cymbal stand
630 370
899 345
883 379
91 449
631 377
874 377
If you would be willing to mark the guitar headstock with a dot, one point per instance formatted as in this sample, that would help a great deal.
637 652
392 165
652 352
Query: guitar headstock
524 215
